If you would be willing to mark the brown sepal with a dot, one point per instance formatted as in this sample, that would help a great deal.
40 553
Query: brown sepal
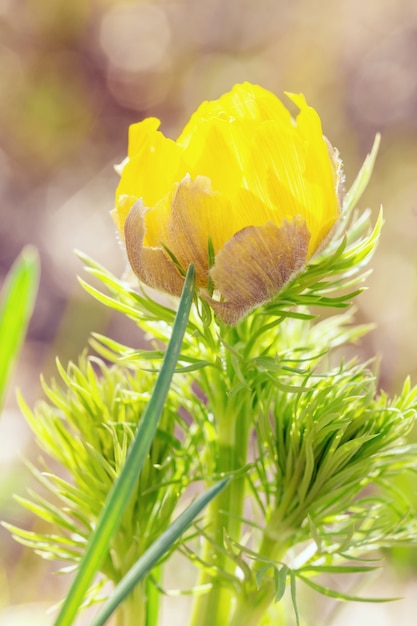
151 265
255 264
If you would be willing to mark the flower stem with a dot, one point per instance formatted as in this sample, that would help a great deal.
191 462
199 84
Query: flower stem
133 608
223 516
250 608
249 613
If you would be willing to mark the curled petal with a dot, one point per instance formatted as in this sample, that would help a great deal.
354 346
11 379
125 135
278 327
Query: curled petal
150 265
153 165
120 213
255 264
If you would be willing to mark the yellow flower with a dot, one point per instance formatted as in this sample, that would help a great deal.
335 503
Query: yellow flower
246 193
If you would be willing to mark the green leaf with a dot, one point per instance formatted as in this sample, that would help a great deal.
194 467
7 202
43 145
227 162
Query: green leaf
362 179
325 591
293 587
280 582
122 489
16 305
156 551
337 569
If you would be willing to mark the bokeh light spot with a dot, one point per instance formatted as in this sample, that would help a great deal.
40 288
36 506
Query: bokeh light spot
135 37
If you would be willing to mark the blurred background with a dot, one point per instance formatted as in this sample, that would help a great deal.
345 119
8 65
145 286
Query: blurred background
74 75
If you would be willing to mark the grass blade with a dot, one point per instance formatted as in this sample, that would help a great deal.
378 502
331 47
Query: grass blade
156 551
16 305
123 487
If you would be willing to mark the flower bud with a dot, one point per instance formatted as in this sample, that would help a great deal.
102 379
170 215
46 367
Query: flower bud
247 194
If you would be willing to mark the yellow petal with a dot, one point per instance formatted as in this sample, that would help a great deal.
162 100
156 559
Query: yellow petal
245 101
153 166
255 264
295 172
323 171
218 150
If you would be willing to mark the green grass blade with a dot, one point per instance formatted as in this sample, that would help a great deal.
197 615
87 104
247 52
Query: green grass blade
122 489
156 551
16 305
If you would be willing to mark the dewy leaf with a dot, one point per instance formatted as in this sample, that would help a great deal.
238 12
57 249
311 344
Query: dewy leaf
121 491
17 300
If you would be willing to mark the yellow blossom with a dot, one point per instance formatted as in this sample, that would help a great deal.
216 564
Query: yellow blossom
247 193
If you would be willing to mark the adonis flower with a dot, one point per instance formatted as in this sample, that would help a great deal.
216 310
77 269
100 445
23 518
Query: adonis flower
246 193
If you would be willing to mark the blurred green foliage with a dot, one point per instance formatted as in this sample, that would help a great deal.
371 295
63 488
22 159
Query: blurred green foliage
17 299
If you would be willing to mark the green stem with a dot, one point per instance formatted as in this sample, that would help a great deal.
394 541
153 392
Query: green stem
250 608
249 612
133 610
223 516
153 597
